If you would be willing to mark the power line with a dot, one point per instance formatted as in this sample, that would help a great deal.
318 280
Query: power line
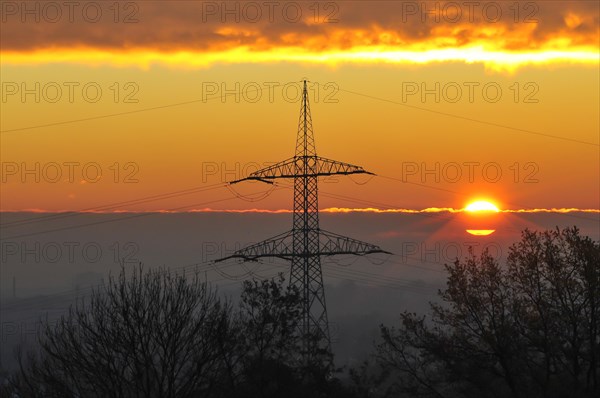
111 206
446 114
470 119
137 215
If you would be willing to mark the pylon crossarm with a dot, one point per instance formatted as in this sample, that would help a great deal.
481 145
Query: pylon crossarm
252 179
284 169
328 167
277 246
294 167
331 244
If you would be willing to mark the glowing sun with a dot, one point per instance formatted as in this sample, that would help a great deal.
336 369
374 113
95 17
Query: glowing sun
480 209
481 205
481 232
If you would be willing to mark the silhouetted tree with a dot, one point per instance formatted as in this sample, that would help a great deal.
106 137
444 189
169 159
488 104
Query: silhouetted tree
529 329
156 334
368 380
262 358
150 334
556 279
265 358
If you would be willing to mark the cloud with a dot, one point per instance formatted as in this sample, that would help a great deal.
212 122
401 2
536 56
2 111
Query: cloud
200 26
330 210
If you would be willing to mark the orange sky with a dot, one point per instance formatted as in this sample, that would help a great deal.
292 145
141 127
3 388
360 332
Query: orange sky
445 108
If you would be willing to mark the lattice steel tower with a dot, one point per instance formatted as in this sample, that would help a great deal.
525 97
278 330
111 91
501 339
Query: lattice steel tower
306 242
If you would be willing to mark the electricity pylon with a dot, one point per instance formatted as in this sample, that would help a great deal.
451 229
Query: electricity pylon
306 242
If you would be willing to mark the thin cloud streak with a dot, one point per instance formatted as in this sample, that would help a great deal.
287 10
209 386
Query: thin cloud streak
326 210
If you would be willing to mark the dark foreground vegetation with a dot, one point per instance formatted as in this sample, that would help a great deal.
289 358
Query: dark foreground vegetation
525 329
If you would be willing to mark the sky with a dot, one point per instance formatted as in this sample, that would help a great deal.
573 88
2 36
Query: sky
446 102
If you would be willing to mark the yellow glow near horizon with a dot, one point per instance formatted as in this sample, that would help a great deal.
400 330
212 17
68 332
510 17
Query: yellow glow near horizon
481 205
144 58
481 232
